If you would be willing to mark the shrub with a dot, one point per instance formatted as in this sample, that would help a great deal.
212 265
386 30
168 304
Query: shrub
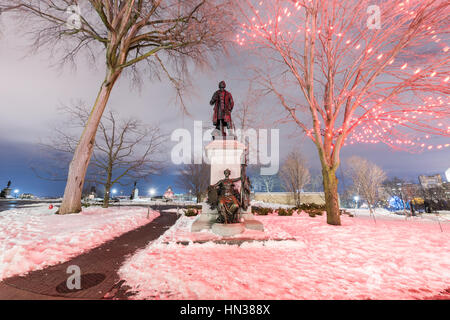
311 206
318 212
264 211
190 212
342 211
193 207
261 211
284 212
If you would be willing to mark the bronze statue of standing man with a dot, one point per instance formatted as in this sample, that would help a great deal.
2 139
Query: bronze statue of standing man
223 105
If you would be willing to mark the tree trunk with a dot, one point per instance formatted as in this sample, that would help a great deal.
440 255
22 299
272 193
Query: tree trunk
108 187
71 202
330 187
106 197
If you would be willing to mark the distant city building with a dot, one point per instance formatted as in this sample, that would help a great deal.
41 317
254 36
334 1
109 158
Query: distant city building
428 182
169 195
27 196
446 186
447 175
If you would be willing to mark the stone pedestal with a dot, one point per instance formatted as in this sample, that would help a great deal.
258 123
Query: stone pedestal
6 193
225 154
206 219
227 230
222 154
251 223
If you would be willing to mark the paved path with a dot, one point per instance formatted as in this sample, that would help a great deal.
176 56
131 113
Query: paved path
98 267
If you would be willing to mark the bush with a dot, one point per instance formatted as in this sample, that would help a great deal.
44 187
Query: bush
193 207
343 211
190 212
284 212
261 211
311 206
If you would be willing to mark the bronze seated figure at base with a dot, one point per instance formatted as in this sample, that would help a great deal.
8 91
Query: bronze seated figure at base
224 196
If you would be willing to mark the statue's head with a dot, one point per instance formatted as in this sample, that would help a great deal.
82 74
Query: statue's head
227 172
222 85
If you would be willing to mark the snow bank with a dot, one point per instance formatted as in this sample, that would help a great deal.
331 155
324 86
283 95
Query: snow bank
270 205
392 259
441 216
33 238
181 232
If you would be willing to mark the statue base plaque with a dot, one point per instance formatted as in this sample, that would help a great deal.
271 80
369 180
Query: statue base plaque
205 220
228 230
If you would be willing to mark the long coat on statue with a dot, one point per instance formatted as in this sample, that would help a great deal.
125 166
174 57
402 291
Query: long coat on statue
222 110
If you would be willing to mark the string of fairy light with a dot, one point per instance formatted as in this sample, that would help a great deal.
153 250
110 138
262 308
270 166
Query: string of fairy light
400 125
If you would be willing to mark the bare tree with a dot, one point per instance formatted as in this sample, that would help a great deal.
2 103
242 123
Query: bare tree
295 175
267 182
166 34
367 179
351 71
194 178
246 112
262 182
123 149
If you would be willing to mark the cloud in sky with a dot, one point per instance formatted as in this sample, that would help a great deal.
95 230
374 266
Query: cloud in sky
31 92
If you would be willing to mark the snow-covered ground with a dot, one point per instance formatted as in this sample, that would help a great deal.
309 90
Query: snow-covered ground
439 216
270 205
181 232
389 259
34 237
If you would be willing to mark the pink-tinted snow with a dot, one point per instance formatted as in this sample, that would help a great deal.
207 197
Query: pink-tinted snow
392 259
35 237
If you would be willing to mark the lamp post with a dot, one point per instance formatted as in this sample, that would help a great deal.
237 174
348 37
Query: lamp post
152 192
356 198
113 192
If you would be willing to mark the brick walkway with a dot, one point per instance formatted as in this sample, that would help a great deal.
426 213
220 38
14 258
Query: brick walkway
99 266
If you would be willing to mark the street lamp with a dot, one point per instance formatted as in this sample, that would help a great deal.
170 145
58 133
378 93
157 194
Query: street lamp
152 192
356 198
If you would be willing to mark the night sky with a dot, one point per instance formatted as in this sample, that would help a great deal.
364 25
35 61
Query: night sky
32 89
